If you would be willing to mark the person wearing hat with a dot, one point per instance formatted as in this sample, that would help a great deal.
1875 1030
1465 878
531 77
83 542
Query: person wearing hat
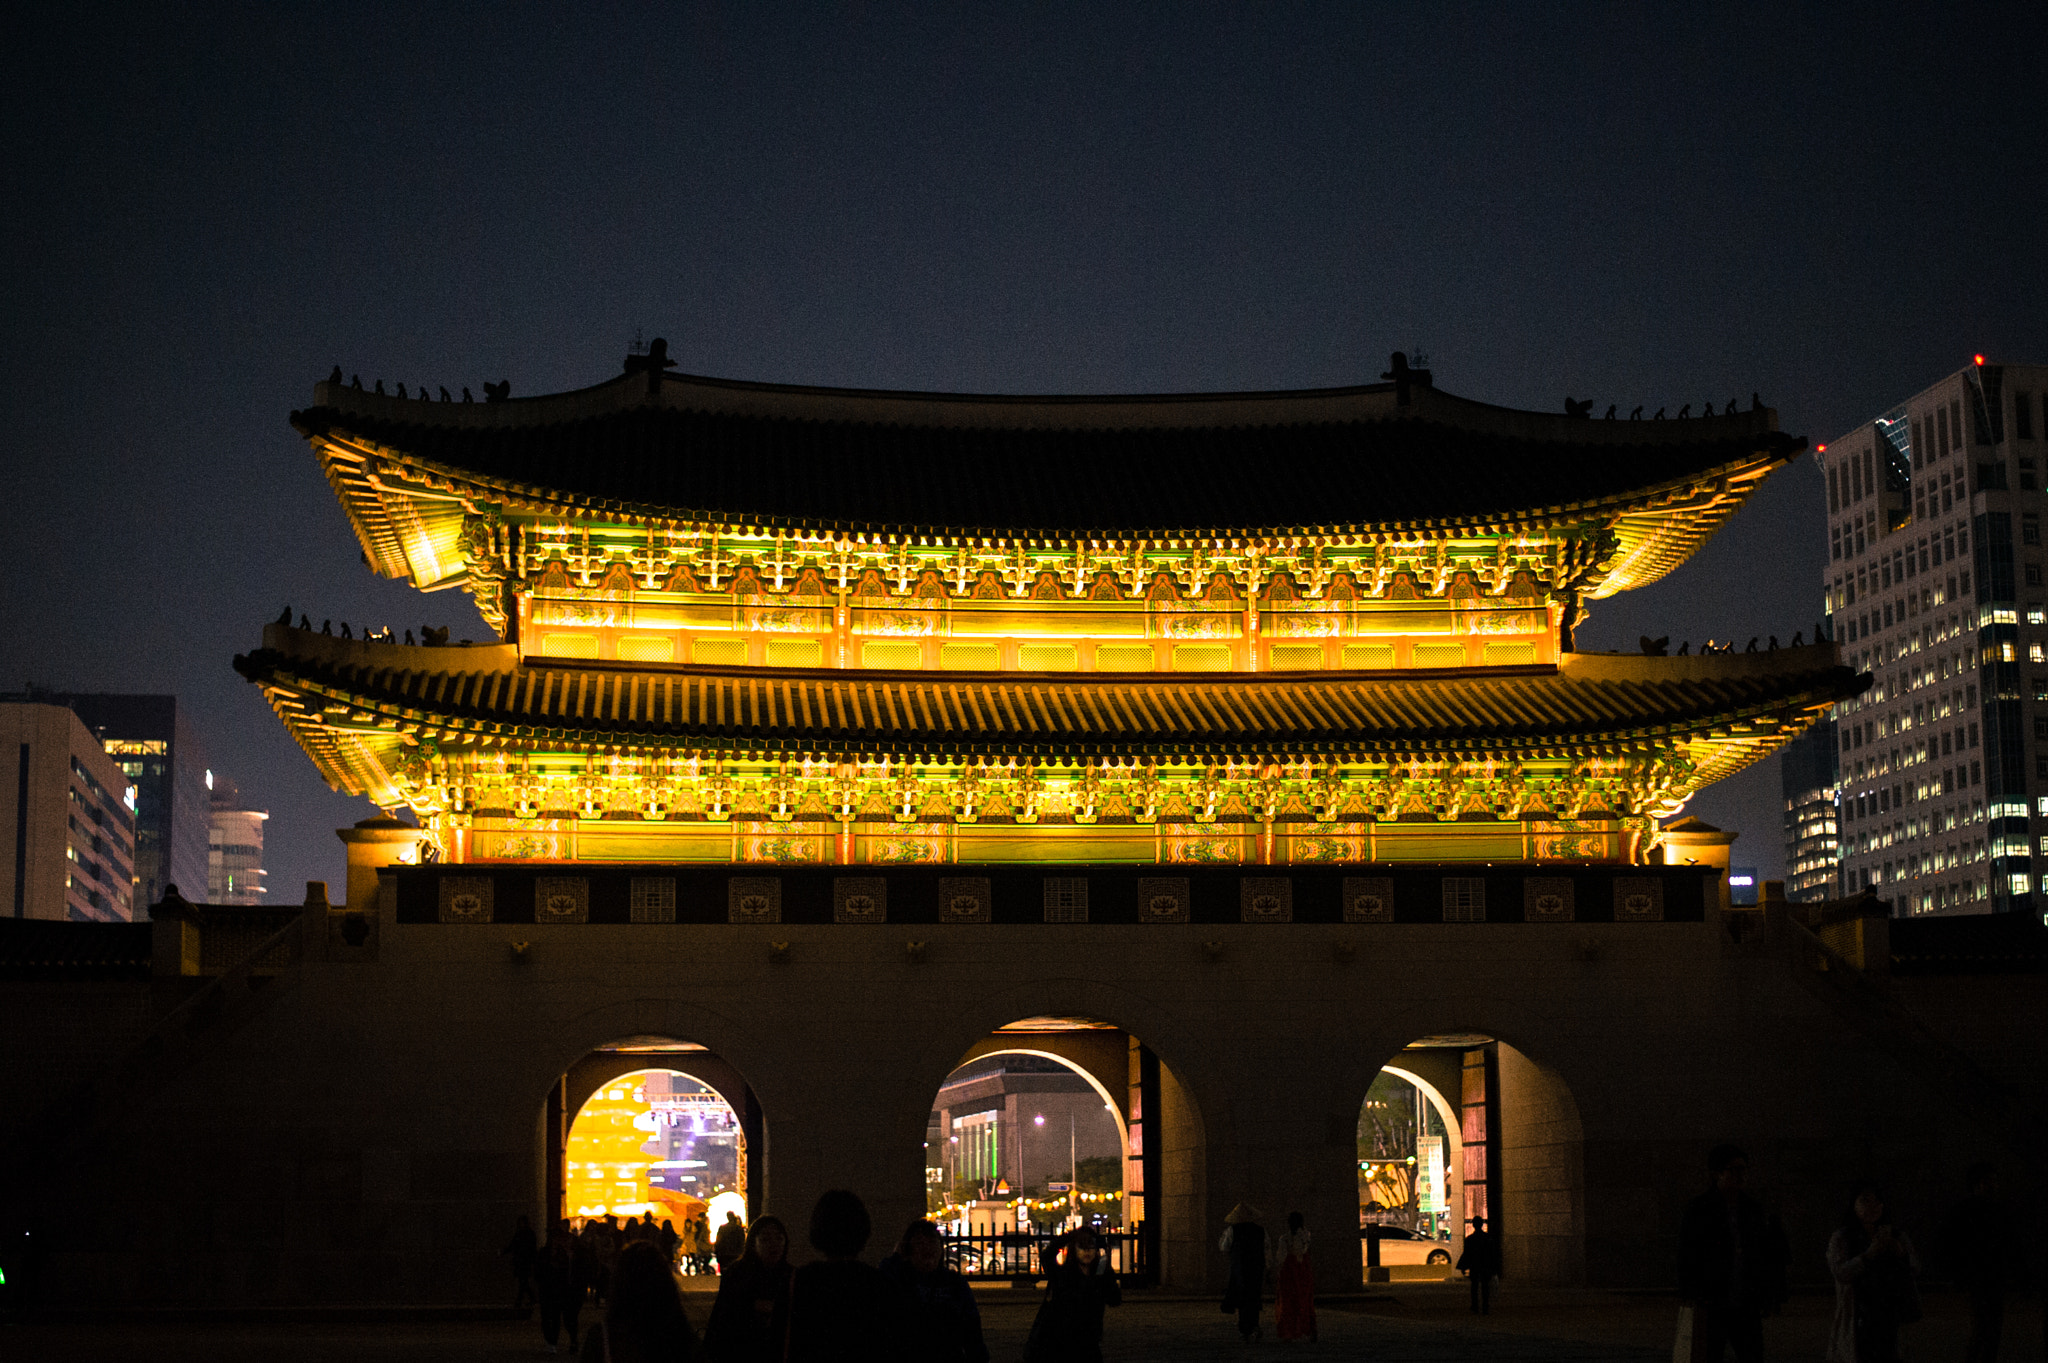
1244 1240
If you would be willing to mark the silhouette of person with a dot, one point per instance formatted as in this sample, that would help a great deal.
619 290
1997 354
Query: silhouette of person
750 1318
842 1310
1244 1240
730 1242
1873 1266
643 1319
557 1285
1731 1261
1481 1263
1079 1288
941 1322
1984 1253
520 1251
1294 1312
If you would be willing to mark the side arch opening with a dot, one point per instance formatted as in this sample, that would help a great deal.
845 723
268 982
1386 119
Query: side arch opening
1463 1126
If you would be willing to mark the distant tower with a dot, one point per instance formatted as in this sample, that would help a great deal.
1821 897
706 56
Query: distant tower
151 739
234 847
1810 779
1937 587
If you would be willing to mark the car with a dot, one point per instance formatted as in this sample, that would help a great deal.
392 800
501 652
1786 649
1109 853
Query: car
1399 1245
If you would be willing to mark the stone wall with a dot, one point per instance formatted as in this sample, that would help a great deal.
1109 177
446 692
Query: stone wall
371 1129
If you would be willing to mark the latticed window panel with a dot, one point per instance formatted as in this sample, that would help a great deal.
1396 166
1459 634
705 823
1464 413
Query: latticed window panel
1066 899
652 899
1464 899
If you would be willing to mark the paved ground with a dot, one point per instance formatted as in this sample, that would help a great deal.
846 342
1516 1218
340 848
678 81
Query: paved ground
1418 1324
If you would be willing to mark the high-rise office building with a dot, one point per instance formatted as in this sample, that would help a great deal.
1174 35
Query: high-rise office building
1809 779
70 812
1935 587
234 846
153 742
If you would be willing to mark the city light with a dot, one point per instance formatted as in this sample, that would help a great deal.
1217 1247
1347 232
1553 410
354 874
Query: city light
631 1142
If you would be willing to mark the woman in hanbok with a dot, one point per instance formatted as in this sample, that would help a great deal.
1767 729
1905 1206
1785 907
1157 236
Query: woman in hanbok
1295 1314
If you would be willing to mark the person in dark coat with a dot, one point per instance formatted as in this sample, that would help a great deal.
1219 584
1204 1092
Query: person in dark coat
1079 1287
584 1274
750 1319
1244 1240
840 1309
602 1237
1731 1262
941 1323
730 1242
644 1322
1481 1265
1982 1251
558 1285
520 1251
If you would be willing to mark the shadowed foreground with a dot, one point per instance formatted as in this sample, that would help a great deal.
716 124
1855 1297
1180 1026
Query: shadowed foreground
1424 1325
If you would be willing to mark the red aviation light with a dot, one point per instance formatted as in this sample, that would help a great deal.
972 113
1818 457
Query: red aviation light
1820 449
1980 361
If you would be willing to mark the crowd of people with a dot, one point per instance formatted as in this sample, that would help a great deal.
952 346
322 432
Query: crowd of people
835 1309
574 1266
1733 1262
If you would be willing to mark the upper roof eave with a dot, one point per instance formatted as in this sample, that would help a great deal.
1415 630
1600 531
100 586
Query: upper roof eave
1774 451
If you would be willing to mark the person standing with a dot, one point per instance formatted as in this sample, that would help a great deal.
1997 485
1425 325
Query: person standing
520 1251
1481 1264
555 1278
700 1243
1731 1262
1079 1287
840 1309
730 1242
670 1239
1244 1240
1294 1315
644 1322
582 1280
941 1322
1873 1266
750 1318
603 1235
1983 1251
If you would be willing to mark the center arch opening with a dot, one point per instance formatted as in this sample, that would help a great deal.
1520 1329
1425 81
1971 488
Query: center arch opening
653 1125
1048 1123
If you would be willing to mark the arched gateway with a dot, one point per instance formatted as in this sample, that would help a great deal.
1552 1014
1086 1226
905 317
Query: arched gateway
837 732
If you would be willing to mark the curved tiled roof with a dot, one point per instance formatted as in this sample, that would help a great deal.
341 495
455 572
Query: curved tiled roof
1120 467
1540 711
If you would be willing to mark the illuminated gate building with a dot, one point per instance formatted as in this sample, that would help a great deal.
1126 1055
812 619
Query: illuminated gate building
783 626
1228 751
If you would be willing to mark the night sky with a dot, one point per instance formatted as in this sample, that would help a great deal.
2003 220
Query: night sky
208 209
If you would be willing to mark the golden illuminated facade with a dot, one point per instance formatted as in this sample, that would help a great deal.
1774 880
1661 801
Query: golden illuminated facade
744 623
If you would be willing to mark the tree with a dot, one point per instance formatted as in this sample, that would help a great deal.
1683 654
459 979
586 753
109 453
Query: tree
1099 1174
1386 1145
